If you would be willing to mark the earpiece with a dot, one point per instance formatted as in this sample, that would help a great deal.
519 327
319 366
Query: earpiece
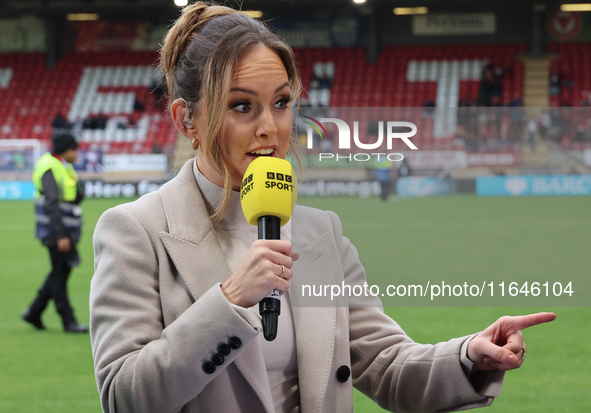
187 122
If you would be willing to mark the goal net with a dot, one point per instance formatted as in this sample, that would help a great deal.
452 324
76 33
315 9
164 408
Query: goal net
19 155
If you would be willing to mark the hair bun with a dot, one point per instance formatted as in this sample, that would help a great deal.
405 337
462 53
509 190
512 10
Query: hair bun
194 11
176 41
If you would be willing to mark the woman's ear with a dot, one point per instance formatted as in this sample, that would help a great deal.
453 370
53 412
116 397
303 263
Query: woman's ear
181 116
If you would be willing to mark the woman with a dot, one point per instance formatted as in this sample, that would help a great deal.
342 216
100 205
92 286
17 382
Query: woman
177 272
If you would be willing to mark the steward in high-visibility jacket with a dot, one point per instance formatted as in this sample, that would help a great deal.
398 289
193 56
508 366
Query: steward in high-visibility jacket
384 168
59 220
58 195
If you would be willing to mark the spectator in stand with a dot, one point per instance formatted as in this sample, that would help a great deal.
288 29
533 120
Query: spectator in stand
498 72
329 72
495 101
158 90
532 128
555 83
555 124
545 123
460 138
504 129
101 121
515 102
580 134
89 123
326 145
428 108
319 70
93 161
494 119
489 86
465 103
122 122
463 116
304 103
471 141
131 122
138 106
483 132
19 161
77 127
516 113
137 147
313 93
59 122
566 120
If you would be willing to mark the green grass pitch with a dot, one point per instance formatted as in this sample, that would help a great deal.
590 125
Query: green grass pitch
52 371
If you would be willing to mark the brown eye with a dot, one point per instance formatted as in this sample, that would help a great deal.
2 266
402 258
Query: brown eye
282 103
241 107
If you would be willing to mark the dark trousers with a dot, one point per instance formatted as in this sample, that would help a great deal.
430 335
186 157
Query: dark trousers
55 288
386 186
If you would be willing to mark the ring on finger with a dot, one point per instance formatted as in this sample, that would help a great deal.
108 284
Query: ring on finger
522 352
282 271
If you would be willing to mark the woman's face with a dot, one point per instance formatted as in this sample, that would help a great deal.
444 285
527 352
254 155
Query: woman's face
258 115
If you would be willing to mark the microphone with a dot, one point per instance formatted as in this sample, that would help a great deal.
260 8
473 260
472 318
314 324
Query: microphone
268 195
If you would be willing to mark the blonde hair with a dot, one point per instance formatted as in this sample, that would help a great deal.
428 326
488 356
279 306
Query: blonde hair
200 54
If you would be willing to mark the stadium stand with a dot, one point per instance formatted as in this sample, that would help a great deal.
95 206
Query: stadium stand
84 85
443 76
407 76
116 86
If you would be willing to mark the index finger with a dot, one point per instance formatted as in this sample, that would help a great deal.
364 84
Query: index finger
525 321
281 246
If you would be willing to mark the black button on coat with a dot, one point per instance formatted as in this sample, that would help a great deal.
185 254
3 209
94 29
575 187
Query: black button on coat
343 374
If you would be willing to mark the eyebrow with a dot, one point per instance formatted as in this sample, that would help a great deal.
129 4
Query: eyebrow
252 92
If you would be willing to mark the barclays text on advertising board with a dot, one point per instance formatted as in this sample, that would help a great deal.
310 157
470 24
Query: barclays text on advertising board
535 185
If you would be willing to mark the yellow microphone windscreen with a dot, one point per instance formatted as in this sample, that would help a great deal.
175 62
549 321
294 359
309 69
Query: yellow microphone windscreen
269 187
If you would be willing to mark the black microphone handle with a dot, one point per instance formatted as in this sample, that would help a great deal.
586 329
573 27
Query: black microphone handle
269 308
269 227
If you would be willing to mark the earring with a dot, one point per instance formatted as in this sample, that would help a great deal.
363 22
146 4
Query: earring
195 144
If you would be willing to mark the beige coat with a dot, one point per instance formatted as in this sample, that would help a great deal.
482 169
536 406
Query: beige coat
157 312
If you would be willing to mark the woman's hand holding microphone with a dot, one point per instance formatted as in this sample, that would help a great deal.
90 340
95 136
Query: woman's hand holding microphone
261 271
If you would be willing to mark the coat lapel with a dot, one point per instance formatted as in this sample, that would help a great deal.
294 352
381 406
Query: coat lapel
190 241
315 327
191 244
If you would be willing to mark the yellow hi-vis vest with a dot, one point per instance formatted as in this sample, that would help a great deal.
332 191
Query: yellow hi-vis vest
67 187
65 177
383 169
